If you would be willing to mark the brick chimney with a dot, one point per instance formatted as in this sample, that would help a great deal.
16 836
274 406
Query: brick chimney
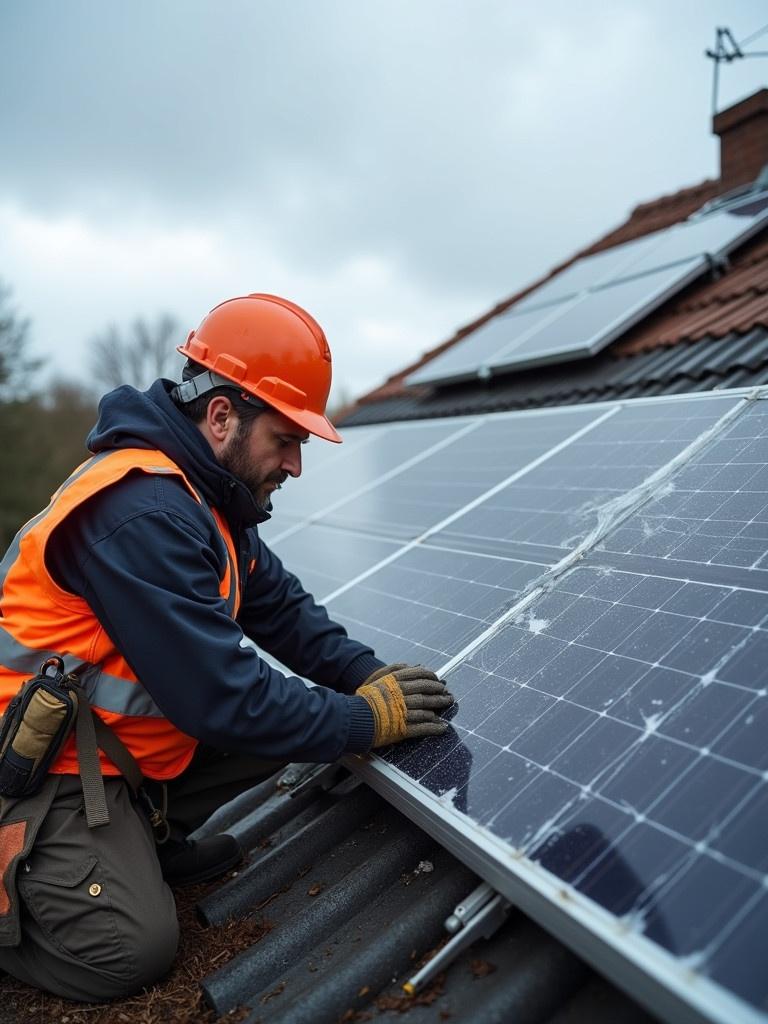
743 131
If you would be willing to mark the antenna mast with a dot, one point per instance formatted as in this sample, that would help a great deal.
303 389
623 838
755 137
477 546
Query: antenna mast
728 50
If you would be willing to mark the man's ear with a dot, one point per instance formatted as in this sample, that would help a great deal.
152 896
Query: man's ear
220 418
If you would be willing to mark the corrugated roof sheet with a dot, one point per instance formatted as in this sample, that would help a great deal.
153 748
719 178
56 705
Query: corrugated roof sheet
356 896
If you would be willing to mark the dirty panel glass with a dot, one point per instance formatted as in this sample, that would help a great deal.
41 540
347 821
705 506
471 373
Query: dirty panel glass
716 509
605 734
561 501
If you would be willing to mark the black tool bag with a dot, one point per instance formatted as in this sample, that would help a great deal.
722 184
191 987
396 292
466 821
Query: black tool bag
35 727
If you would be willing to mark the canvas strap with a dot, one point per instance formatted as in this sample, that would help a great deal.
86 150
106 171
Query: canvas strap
92 734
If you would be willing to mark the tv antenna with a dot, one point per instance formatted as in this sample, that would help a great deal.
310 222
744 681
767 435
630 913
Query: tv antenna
728 50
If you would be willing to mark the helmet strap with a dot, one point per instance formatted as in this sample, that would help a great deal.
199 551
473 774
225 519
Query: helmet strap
193 388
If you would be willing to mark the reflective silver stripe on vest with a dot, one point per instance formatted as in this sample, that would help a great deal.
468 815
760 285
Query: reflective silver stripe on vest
109 693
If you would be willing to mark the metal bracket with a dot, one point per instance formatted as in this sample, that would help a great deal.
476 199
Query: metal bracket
301 778
478 916
718 265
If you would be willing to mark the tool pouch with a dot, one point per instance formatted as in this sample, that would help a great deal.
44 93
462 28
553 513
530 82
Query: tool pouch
34 728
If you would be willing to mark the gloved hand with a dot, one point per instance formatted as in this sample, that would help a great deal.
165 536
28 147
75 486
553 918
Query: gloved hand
405 700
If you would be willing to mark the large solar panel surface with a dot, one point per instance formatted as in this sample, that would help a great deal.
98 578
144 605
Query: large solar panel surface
581 310
594 581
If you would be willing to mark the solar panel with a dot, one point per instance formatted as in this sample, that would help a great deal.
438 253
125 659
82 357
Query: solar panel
605 766
367 457
598 318
559 502
590 272
581 310
712 235
715 234
465 360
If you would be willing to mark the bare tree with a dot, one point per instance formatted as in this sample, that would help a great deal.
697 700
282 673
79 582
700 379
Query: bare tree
137 357
17 367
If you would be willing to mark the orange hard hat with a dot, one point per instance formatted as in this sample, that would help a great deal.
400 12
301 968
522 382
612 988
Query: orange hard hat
272 349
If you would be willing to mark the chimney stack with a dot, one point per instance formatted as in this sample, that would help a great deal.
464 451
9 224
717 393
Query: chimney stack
743 131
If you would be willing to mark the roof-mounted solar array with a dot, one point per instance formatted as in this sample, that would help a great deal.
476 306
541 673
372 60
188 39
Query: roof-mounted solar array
594 583
591 303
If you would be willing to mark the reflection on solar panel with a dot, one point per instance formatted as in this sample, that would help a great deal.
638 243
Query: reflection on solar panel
594 582
581 310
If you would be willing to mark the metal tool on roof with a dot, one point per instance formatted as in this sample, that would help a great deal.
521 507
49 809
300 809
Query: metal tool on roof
478 916
299 779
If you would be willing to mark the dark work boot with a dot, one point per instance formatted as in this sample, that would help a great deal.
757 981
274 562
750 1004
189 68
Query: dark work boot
189 861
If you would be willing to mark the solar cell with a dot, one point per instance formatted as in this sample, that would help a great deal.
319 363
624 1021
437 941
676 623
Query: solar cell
361 461
325 558
428 604
716 510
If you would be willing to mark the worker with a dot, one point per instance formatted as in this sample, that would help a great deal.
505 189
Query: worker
138 588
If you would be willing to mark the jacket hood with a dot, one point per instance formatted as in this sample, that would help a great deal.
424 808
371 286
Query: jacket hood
149 419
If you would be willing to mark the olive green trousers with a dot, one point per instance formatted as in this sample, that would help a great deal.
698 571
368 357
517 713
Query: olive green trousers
94 918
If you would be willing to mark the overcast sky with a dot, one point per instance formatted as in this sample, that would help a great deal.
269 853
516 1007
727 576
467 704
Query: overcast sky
396 166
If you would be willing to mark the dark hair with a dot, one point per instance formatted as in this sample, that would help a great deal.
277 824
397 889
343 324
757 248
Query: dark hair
247 411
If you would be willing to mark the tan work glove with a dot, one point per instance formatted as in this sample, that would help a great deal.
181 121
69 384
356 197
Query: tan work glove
405 700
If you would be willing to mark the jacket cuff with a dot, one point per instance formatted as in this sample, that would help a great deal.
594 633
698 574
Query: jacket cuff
358 671
360 738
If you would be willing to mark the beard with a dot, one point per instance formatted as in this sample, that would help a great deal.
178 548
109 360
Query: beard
236 460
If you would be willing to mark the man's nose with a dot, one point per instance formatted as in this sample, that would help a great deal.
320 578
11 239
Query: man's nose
292 463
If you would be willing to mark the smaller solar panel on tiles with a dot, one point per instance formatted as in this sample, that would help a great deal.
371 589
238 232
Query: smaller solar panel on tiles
599 317
580 311
464 360
590 272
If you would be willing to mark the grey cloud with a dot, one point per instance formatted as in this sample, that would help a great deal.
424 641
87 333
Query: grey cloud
337 127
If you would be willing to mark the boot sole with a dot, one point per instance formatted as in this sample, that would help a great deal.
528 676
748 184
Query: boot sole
207 874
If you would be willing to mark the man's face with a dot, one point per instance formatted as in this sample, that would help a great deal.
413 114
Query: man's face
263 453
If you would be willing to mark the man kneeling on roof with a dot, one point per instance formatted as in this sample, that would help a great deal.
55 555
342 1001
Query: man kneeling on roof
124 609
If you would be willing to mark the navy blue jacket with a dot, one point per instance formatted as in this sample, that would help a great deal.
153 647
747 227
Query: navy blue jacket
148 558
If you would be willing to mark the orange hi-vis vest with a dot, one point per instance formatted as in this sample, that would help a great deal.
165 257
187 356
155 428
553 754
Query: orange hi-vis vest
40 619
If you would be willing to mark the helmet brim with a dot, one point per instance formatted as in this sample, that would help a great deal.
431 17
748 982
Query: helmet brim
315 423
